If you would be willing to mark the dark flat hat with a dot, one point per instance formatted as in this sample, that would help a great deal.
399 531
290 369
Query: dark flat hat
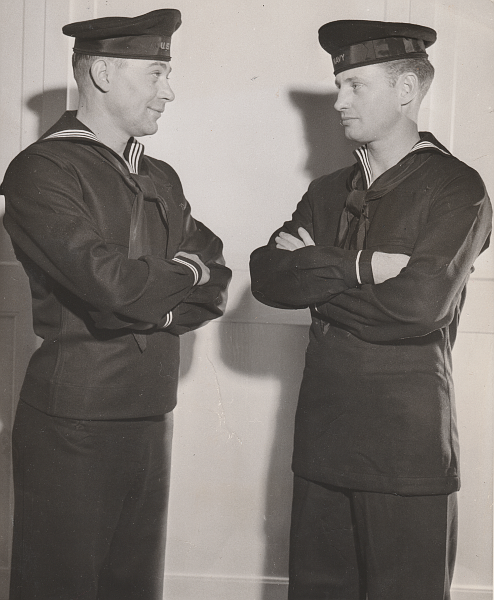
147 36
358 43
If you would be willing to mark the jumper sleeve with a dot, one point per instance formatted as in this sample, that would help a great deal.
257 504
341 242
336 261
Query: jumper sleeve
426 295
49 223
203 304
309 275
207 301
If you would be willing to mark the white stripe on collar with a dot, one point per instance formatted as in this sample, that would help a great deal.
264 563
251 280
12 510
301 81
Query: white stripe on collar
426 144
132 153
363 155
71 133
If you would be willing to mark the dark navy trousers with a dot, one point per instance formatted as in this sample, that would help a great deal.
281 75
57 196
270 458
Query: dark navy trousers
353 545
90 509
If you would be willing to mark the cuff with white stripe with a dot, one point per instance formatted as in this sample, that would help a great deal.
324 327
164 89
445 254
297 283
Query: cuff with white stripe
166 321
194 267
364 267
357 268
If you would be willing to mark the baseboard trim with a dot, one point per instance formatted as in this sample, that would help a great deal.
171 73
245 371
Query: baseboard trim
183 587
471 593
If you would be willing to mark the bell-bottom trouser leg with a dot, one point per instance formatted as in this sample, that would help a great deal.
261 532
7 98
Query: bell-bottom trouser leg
352 545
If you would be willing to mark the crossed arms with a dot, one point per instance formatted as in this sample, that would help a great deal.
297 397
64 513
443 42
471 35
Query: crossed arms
397 297
62 247
384 265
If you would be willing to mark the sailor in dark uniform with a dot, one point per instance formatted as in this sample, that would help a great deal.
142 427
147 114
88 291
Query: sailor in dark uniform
381 252
118 269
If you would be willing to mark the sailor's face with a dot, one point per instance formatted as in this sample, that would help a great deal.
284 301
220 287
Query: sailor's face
369 106
138 95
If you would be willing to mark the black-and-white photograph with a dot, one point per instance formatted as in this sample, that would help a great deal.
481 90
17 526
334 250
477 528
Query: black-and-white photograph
246 300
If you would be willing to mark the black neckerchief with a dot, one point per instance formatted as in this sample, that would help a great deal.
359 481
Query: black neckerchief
354 221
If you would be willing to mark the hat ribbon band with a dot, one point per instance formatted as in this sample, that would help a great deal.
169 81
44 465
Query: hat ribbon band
377 51
139 46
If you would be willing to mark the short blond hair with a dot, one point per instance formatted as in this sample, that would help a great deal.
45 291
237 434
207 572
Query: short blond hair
420 66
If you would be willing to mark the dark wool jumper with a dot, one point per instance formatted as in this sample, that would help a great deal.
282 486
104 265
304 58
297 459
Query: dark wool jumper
97 236
376 410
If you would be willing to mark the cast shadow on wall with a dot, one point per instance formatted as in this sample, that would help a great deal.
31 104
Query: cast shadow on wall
254 346
327 148
273 352
48 107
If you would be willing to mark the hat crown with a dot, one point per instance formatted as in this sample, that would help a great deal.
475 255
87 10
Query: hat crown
359 42
146 36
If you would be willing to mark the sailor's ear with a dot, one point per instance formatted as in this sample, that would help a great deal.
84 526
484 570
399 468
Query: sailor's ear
101 73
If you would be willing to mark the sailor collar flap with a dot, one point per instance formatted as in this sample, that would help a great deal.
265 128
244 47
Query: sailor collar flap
426 144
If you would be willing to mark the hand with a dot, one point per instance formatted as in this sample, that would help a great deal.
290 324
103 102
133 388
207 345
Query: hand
385 266
205 270
286 241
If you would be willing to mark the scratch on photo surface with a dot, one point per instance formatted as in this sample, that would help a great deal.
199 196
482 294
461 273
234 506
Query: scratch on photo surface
221 411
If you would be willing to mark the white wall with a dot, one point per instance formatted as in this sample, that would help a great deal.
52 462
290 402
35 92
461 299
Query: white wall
251 125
